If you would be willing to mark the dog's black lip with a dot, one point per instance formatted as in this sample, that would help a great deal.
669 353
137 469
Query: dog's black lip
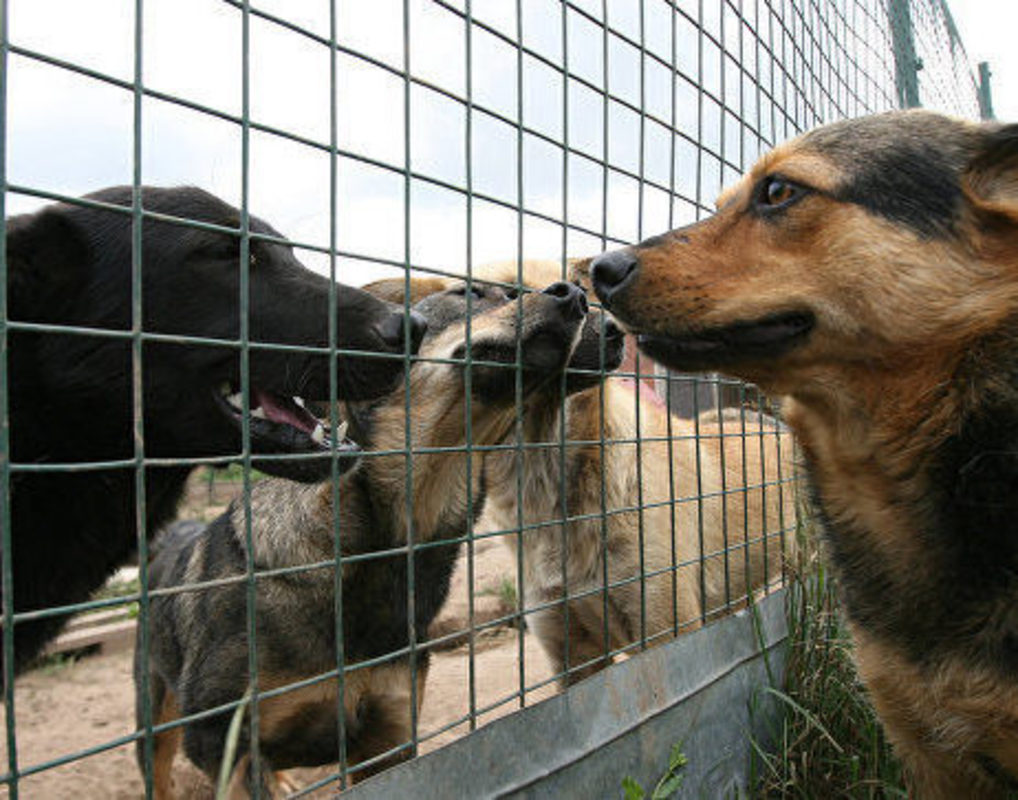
277 438
762 338
552 338
613 352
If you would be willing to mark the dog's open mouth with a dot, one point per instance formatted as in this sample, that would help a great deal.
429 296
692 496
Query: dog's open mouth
766 337
282 424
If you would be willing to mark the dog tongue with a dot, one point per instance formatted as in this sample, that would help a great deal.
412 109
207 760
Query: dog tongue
279 409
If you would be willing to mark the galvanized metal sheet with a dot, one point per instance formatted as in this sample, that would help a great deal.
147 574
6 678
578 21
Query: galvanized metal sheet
703 690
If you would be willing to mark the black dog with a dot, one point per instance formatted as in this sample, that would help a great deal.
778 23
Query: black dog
71 394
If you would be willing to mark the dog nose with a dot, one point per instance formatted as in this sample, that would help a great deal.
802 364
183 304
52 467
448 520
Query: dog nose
570 299
612 330
393 330
611 270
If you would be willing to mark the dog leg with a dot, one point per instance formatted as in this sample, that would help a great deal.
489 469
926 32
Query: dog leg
383 719
236 789
285 782
580 644
166 744
241 780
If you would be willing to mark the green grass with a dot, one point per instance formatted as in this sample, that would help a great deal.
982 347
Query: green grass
507 594
505 591
118 588
56 663
667 786
829 743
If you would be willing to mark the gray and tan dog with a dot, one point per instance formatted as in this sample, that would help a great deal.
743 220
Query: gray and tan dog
199 649
675 523
868 271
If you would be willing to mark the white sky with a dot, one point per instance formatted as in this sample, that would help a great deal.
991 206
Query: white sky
71 134
989 29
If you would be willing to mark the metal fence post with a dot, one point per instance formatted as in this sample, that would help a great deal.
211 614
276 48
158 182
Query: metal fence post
985 96
906 63
6 539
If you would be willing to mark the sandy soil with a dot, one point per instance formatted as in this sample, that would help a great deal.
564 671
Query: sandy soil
89 703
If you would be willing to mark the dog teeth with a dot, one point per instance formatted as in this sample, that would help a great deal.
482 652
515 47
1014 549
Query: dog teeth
318 435
299 401
341 431
236 400
258 413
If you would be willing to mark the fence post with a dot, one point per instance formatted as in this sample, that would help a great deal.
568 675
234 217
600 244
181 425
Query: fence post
906 63
985 97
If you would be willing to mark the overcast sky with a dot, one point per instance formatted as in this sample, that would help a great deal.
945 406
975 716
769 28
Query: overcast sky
72 134
989 28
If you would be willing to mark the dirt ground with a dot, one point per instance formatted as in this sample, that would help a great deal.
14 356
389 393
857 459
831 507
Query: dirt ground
89 703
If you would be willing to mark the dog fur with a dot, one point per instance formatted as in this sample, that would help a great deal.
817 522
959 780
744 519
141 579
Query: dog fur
868 270
676 473
199 654
71 393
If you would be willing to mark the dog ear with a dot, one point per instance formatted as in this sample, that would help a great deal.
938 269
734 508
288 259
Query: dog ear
394 289
992 176
45 255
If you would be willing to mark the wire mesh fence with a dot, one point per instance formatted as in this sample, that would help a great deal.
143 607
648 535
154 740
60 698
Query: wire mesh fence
533 501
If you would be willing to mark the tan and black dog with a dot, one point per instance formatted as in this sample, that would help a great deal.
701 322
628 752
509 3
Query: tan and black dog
198 637
653 505
868 271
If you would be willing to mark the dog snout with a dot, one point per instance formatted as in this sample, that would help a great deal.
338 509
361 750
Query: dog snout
393 330
610 271
569 298
612 331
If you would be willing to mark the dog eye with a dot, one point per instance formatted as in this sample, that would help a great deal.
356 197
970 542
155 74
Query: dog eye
476 291
778 193
512 292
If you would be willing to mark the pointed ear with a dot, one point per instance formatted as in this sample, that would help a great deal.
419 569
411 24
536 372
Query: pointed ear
394 289
992 176
46 255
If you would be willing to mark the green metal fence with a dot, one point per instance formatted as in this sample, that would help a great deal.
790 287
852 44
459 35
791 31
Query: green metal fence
425 137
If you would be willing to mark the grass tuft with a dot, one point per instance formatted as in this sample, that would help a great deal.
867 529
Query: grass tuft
830 743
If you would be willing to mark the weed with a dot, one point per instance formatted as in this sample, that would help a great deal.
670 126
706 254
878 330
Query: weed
505 591
668 785
829 742
507 594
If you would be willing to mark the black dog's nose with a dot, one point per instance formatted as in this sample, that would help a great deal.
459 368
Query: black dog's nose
610 270
393 333
570 299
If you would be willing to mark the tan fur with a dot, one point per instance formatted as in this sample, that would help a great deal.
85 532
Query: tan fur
910 352
439 417
937 720
662 542
165 747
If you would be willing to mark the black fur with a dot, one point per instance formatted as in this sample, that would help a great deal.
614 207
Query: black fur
901 168
600 349
970 531
71 395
